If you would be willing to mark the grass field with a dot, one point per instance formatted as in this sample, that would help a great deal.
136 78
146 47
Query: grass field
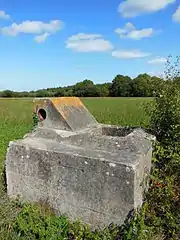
16 115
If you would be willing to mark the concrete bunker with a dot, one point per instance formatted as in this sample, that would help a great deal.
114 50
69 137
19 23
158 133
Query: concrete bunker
87 170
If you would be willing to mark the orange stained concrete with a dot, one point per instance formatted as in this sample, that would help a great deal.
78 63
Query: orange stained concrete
67 101
61 104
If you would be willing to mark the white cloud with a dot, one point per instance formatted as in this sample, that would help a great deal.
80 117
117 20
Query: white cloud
83 36
129 54
32 27
88 43
133 8
42 38
176 15
4 15
158 60
130 31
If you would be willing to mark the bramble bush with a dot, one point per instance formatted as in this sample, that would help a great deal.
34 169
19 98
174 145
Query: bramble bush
163 197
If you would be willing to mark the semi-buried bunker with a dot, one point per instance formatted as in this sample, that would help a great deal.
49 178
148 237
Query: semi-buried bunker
89 171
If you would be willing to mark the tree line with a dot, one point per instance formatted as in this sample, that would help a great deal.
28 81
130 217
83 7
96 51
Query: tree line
143 85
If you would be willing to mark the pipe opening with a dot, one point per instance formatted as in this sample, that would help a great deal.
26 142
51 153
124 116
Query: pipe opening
42 114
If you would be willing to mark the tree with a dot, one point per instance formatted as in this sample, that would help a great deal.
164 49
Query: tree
59 92
121 86
85 89
156 84
68 92
103 89
7 94
141 86
42 93
177 81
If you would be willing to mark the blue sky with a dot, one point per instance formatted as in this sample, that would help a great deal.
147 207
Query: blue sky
54 43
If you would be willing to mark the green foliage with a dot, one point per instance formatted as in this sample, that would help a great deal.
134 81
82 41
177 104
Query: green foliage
35 120
165 110
35 222
7 94
103 89
80 231
145 86
141 86
165 114
121 86
85 89
42 93
163 198
59 93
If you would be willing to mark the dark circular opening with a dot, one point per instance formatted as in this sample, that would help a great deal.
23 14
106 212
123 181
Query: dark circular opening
42 114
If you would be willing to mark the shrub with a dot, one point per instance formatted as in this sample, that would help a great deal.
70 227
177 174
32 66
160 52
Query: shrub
165 109
163 197
35 222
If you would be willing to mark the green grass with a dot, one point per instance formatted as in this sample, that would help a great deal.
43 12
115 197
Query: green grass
118 111
15 121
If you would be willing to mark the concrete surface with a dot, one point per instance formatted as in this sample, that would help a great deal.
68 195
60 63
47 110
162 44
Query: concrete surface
65 113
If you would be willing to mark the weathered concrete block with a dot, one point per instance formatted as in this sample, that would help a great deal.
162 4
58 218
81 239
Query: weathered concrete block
65 113
86 170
